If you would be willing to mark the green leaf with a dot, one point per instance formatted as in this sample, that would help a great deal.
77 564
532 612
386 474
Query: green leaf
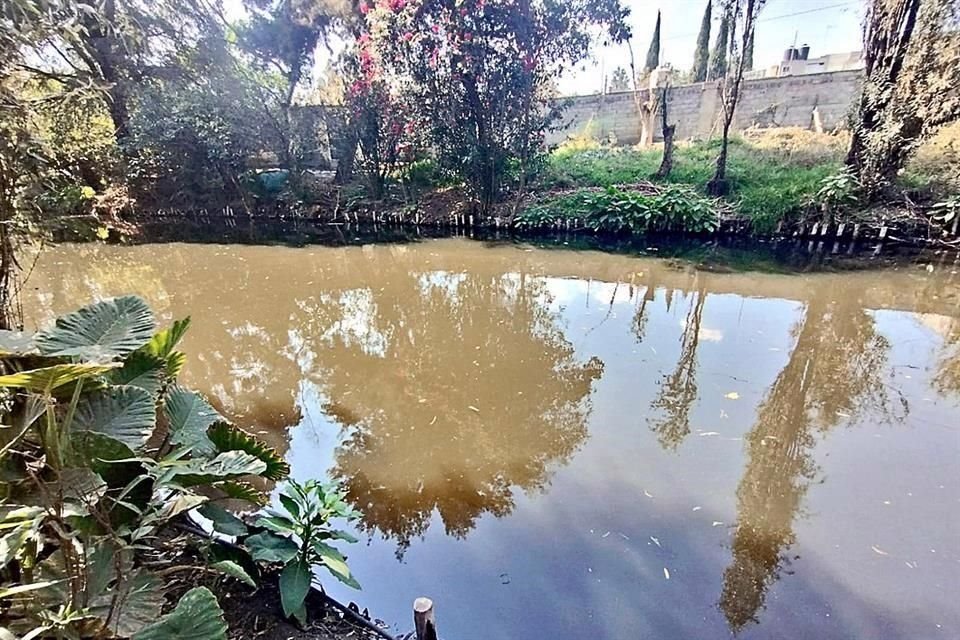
17 343
226 437
106 563
232 569
162 344
219 551
334 561
127 414
223 521
189 416
175 362
277 522
101 453
290 505
102 331
239 490
139 601
336 534
24 588
194 471
269 547
294 586
49 378
140 370
197 616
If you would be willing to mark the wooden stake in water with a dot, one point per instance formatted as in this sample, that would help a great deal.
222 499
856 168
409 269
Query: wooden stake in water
424 620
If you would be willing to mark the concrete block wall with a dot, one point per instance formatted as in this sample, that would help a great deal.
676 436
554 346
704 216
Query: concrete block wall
695 108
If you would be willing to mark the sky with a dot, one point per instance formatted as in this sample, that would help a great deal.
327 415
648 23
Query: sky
828 26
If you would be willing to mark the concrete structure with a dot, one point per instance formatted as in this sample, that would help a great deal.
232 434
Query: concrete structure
765 102
796 62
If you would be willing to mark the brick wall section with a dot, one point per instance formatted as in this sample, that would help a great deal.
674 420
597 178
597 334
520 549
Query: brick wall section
695 108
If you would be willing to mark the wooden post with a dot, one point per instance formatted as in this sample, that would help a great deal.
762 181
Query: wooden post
424 620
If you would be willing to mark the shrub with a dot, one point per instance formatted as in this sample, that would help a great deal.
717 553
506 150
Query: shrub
673 208
101 449
300 538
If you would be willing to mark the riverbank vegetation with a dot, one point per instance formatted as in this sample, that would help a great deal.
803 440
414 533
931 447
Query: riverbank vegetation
104 457
141 107
775 176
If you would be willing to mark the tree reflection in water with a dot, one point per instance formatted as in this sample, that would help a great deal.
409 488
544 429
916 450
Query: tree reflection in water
947 378
452 390
678 389
833 374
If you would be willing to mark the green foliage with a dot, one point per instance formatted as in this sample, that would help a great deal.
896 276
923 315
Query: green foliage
772 176
701 56
837 191
718 56
197 616
675 208
299 537
226 437
102 331
476 80
85 494
653 53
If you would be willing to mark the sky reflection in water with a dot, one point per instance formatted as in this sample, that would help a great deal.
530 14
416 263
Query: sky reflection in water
585 445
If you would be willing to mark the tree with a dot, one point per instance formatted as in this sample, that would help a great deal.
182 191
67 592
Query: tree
653 53
619 80
31 168
912 70
834 375
480 74
748 54
744 12
282 36
718 57
701 56
667 130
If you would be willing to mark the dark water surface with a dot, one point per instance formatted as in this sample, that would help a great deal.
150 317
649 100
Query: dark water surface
559 444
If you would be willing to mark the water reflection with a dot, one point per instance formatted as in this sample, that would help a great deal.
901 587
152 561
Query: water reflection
468 391
450 384
833 375
947 378
678 389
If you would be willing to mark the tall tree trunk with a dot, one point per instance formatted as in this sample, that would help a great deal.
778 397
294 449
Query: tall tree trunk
11 313
718 185
876 159
101 51
666 164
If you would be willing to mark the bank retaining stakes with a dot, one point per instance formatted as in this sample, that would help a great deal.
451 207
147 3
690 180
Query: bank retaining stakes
423 619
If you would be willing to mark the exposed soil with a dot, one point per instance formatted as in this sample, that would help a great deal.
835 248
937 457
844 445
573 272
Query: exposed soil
256 613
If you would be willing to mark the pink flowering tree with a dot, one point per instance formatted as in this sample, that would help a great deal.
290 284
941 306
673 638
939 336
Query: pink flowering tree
476 75
381 118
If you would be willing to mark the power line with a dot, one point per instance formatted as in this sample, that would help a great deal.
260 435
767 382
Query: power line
780 17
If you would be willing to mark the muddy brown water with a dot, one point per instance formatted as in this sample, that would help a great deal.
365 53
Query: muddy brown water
566 444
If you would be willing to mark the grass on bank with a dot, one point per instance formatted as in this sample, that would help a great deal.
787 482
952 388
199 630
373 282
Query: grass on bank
774 173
